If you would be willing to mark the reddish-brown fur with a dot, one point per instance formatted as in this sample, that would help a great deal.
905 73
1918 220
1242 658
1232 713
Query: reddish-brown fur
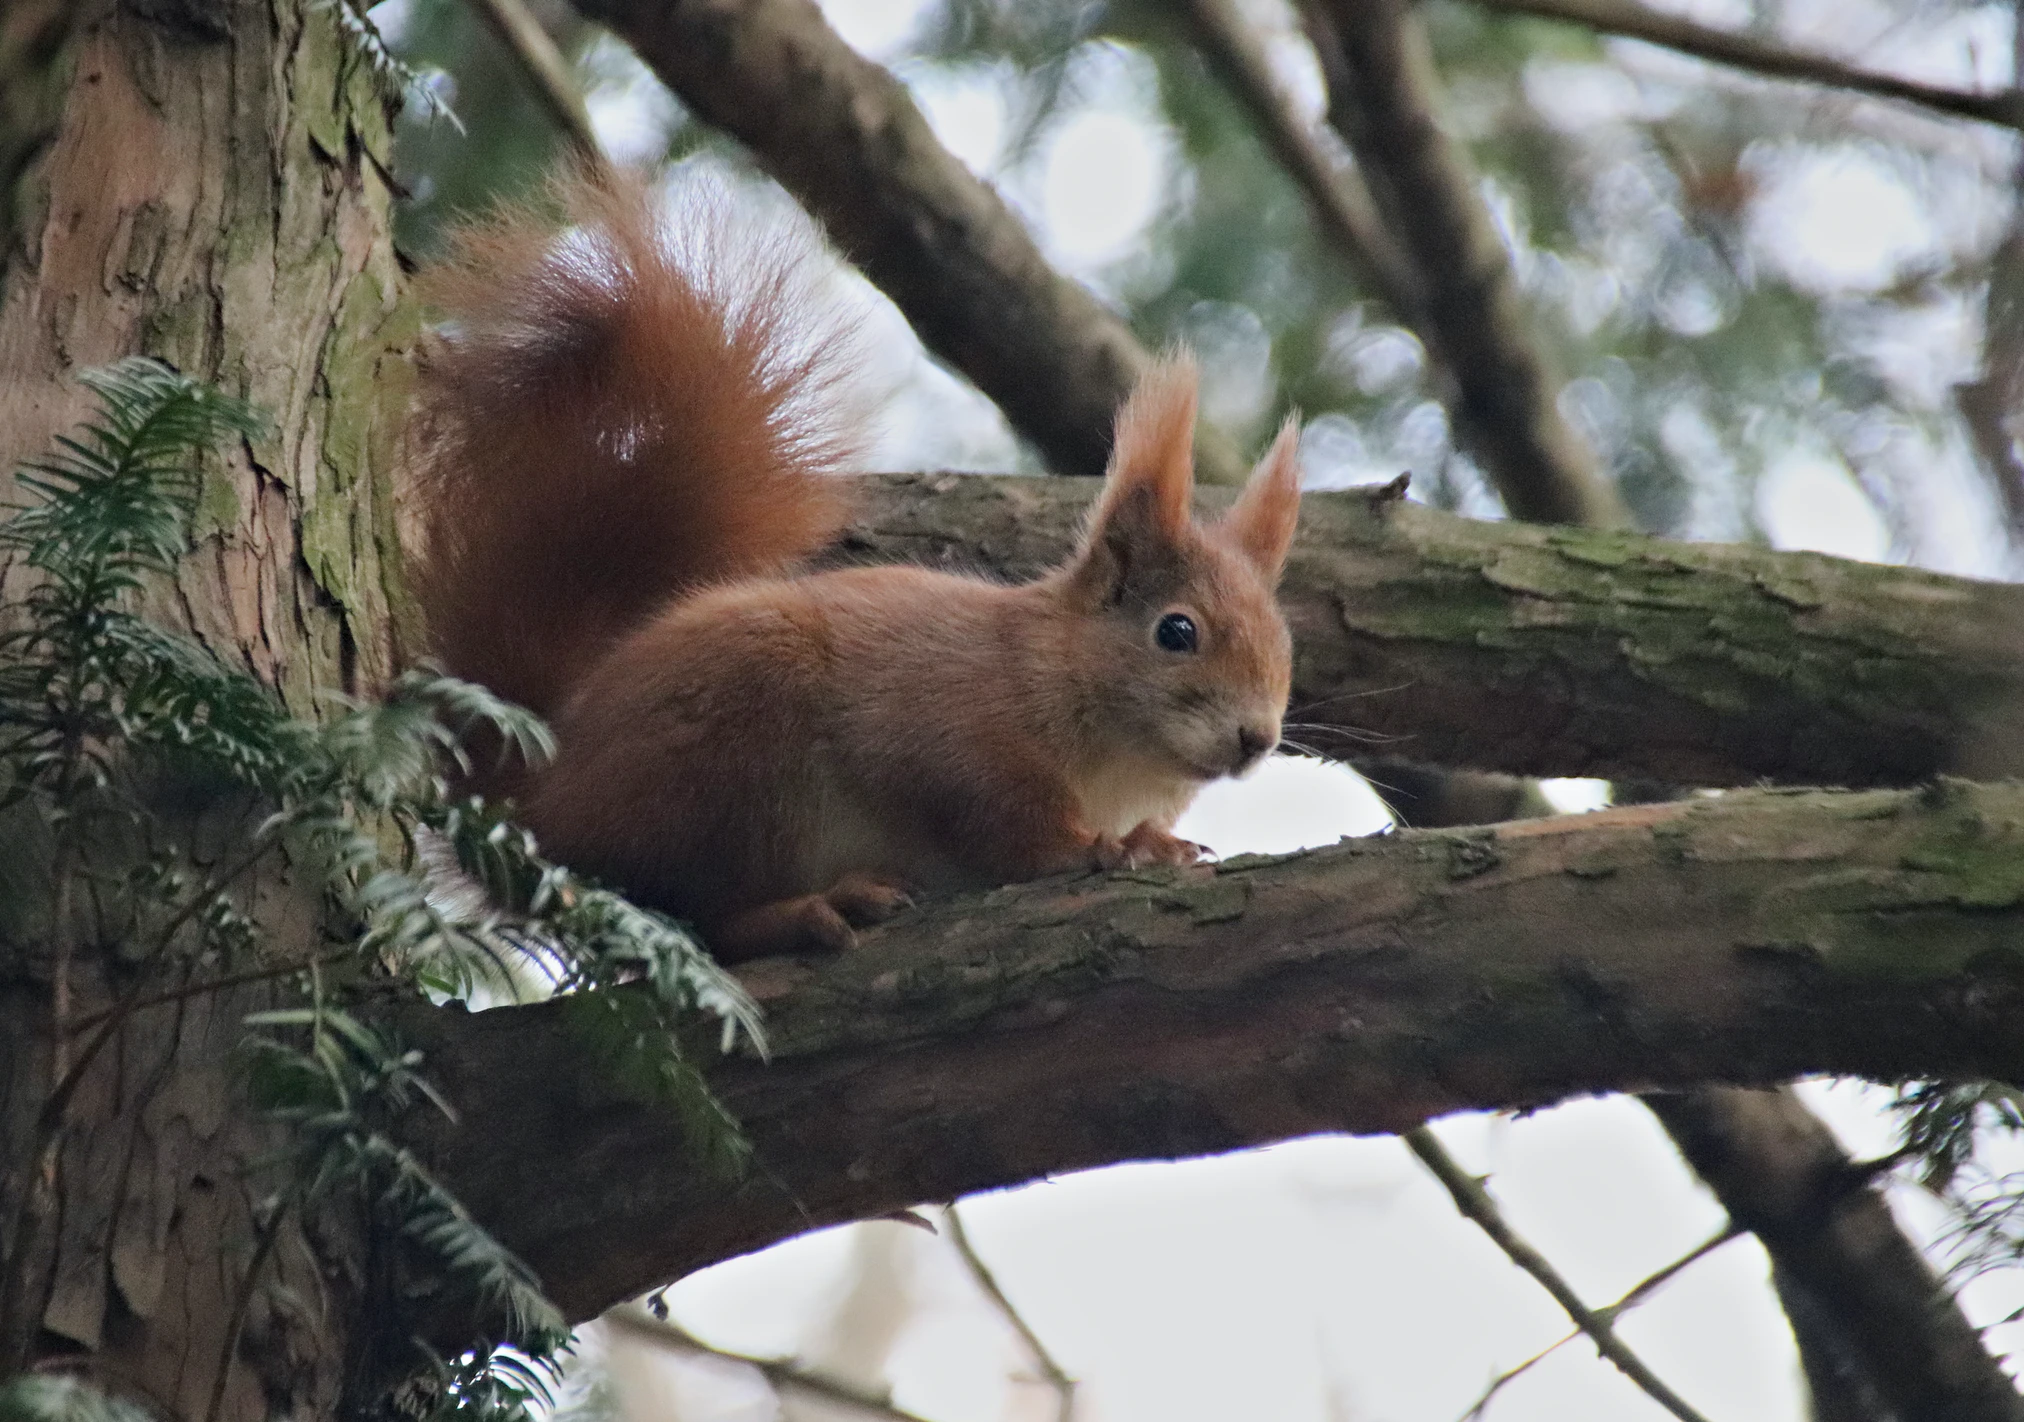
780 757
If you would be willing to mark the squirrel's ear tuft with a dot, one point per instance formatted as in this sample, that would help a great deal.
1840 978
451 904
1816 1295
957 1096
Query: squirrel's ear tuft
1261 521
1153 459
1143 516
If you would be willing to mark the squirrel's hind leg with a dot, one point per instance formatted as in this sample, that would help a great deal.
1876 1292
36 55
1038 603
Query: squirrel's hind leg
813 923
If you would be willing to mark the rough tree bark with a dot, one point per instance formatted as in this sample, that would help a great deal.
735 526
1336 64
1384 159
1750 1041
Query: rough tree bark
1048 1027
214 194
35 48
1829 1233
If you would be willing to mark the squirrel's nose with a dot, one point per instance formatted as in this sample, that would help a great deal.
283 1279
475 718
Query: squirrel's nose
1253 742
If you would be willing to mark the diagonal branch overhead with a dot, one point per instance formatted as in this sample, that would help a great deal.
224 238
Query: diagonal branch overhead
1382 98
1054 1026
1552 651
846 139
1342 204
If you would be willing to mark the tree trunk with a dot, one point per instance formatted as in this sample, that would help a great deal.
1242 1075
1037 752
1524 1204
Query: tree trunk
214 195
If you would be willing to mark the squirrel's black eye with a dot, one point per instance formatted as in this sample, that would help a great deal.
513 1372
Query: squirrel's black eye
1176 632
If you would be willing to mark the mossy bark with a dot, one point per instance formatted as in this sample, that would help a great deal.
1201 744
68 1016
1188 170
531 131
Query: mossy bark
1559 651
999 1038
214 195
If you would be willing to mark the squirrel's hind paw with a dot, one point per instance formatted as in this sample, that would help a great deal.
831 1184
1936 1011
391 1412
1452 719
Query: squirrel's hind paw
813 923
863 900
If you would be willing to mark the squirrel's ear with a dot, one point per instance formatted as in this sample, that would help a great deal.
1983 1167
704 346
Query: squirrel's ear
1262 519
1143 516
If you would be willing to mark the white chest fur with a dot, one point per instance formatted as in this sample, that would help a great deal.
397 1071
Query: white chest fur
1119 795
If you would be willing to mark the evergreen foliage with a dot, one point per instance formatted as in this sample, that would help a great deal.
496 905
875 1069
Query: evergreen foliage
99 708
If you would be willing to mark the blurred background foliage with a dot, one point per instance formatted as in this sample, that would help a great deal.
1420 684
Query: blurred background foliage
1760 294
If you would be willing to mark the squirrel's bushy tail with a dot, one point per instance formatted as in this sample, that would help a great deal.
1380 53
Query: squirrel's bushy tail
622 406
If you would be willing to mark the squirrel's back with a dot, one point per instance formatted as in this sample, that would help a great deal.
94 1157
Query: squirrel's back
622 406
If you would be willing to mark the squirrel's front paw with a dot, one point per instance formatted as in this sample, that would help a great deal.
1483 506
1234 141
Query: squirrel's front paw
1146 845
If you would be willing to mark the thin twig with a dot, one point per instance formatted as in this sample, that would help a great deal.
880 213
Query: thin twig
242 1300
209 985
546 70
1050 1371
1341 202
1740 51
780 1372
1475 1204
1510 1375
1989 403
1638 1293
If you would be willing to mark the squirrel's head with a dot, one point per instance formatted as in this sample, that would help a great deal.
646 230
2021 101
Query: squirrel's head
1184 657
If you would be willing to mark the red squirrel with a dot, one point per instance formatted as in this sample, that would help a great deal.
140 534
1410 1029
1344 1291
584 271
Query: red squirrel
629 435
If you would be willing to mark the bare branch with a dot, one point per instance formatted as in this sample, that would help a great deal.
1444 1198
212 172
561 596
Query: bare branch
539 59
1382 97
781 1373
1990 404
1632 20
1781 1175
1341 201
1051 1372
845 138
1475 1204
1637 1294
985 1041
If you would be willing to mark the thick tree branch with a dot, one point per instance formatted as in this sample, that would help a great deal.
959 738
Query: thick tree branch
1543 651
845 138
1073 1023
1837 1379
1829 1232
1382 98
1741 51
